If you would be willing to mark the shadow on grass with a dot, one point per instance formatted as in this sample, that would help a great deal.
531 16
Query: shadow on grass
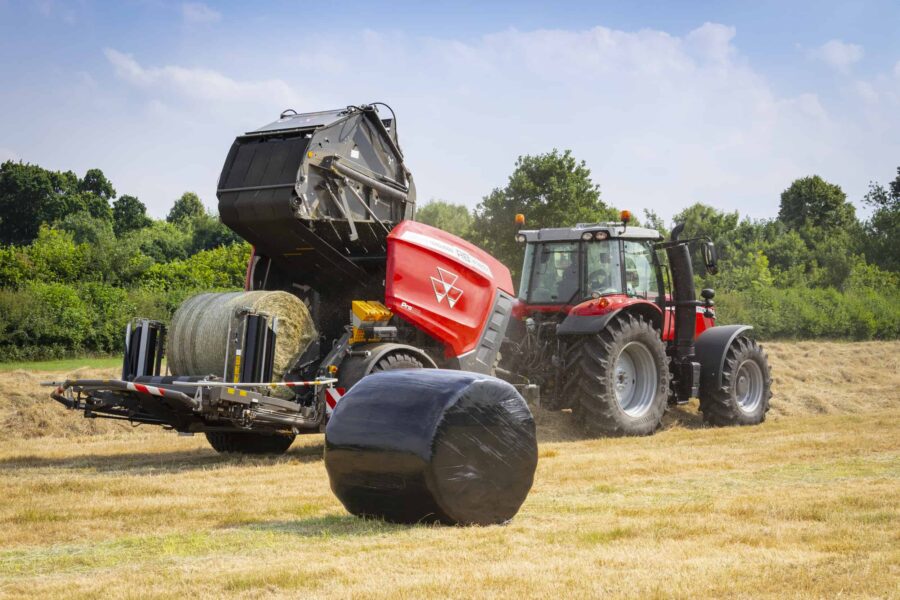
169 462
334 525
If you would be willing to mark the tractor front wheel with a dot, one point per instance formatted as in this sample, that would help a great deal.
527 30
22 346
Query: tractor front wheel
743 397
619 378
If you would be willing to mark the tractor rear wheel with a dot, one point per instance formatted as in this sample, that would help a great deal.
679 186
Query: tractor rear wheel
247 442
743 398
619 379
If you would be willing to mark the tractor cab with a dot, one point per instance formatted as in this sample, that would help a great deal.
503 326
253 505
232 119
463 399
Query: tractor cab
564 267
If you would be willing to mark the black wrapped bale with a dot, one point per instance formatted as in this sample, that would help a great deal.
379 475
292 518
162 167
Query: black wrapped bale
432 445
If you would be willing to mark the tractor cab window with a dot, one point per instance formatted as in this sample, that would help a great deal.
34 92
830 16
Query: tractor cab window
554 273
604 268
640 275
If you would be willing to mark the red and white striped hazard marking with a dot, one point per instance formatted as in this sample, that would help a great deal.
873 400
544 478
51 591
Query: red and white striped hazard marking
147 389
332 397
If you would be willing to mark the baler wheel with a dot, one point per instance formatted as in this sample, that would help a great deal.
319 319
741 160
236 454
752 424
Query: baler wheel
620 379
743 398
397 360
241 442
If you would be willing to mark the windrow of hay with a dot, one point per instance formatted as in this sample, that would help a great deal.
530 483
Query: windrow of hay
198 336
809 378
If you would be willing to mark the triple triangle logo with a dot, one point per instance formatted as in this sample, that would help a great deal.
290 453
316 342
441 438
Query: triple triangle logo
444 288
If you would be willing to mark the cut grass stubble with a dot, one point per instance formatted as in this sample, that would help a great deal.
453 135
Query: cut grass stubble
805 505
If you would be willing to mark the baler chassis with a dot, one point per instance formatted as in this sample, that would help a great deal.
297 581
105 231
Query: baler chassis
235 401
191 404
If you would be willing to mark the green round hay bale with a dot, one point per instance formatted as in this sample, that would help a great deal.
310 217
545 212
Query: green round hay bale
198 335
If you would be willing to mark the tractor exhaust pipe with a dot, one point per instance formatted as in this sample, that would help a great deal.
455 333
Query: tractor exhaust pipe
685 370
683 294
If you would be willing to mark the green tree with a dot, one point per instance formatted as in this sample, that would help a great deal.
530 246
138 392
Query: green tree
85 229
185 208
30 196
15 267
882 245
129 214
654 221
812 201
453 218
551 190
164 242
702 220
819 212
55 257
111 259
222 267
95 182
746 271
209 232
95 194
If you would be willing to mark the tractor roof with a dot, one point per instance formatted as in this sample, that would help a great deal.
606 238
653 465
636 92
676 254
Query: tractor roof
565 234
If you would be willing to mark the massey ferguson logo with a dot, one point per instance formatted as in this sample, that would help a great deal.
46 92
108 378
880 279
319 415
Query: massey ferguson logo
444 288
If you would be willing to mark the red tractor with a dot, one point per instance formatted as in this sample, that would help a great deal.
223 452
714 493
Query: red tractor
607 323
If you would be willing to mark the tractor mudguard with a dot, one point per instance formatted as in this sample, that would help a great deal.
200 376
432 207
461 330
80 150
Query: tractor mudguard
585 325
710 348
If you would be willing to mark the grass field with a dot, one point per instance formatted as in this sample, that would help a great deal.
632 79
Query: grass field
64 364
806 505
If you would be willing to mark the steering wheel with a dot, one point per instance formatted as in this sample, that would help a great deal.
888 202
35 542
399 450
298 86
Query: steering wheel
602 278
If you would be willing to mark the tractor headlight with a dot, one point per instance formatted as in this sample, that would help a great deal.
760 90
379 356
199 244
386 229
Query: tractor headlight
587 235
601 235
520 237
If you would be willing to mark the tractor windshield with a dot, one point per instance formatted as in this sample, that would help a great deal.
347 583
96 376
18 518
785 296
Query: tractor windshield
569 272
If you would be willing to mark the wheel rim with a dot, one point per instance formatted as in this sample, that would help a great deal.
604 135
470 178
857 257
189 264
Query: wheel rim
748 386
635 379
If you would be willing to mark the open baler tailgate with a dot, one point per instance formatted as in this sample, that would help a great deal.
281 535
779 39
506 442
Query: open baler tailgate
318 193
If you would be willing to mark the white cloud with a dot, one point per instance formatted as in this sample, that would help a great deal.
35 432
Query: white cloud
838 55
661 120
204 85
712 41
866 91
197 12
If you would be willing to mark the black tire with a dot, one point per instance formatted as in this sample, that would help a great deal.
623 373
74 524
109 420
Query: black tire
746 388
397 360
593 378
242 442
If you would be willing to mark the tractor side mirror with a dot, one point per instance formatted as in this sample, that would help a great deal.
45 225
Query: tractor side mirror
710 258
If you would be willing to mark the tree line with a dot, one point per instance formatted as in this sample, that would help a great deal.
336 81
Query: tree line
815 270
77 261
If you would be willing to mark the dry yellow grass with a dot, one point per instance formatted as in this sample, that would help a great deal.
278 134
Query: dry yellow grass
806 505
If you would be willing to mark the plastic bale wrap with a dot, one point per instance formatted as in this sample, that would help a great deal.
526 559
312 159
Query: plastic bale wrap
432 445
198 336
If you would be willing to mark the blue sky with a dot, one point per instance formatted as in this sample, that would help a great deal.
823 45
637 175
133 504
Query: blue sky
668 103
